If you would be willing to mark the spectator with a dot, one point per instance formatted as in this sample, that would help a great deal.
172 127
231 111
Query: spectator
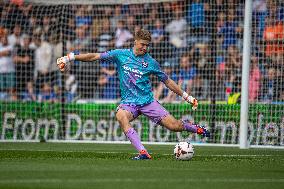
82 41
269 87
157 32
34 26
187 73
137 28
25 16
43 58
97 26
107 11
4 17
196 17
109 83
82 76
8 18
7 69
255 79
167 12
122 34
57 51
136 10
162 92
204 67
229 33
117 16
152 15
46 27
103 43
177 30
24 64
82 19
70 32
259 14
196 14
221 17
78 43
105 38
158 41
29 93
232 70
46 94
220 79
273 37
278 63
275 68
15 38
131 23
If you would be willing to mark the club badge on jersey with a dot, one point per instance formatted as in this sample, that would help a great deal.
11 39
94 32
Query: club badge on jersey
144 64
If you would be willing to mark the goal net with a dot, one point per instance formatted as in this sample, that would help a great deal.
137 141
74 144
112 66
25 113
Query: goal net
197 43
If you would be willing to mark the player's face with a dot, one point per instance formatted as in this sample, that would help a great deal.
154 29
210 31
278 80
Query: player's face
141 46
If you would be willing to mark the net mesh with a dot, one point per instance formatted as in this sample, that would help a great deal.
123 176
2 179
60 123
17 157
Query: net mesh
197 43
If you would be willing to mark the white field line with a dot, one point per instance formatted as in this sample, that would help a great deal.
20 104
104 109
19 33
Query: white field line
146 180
99 152
147 143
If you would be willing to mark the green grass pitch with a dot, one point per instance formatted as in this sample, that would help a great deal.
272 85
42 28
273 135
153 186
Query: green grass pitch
62 165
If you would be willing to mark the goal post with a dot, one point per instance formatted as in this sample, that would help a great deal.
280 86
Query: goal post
245 76
227 54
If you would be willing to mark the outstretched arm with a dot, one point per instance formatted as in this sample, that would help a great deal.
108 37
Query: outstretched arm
89 57
173 87
177 89
62 62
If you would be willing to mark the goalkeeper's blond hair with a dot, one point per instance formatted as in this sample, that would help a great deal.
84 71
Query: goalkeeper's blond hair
142 34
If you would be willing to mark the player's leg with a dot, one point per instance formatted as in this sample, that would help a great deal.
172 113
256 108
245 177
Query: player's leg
124 118
183 125
159 115
125 114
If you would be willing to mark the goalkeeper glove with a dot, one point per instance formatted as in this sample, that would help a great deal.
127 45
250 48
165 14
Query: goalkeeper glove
64 62
190 100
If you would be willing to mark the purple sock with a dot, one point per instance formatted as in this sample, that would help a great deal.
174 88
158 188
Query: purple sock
189 127
134 139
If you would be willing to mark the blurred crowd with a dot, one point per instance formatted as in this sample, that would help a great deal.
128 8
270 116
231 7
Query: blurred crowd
197 43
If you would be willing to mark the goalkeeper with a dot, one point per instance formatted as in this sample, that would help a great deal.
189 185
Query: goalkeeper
134 67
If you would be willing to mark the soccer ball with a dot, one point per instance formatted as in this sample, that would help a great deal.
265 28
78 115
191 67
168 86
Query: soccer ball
184 151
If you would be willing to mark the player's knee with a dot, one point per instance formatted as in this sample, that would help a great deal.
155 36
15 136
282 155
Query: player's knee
121 117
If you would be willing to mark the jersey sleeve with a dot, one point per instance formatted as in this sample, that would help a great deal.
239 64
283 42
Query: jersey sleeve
109 55
162 76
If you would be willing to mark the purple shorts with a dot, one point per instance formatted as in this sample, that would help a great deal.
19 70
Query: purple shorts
154 111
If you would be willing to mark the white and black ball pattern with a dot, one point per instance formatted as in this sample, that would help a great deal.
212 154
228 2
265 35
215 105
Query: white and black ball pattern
183 151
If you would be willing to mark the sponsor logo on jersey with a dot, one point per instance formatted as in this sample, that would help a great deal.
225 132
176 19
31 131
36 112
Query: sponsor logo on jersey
137 72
